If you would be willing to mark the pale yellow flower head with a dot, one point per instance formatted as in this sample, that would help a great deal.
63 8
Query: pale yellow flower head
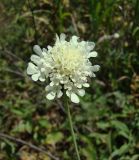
66 65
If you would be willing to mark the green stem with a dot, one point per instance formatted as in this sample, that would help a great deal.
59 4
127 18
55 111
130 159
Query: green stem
72 130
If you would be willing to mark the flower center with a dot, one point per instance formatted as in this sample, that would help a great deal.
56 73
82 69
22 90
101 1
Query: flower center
68 60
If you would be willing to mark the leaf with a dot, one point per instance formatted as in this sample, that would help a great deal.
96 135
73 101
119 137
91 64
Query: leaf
99 137
43 122
89 151
11 146
122 150
120 126
135 157
23 127
109 141
135 31
53 138
23 111
103 125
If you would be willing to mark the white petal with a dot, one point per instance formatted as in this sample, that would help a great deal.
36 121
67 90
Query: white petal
82 43
86 85
36 59
62 36
81 92
78 85
74 39
37 50
44 54
51 95
42 79
95 68
83 78
59 94
116 35
31 69
48 88
42 69
49 48
74 98
44 50
68 93
90 45
93 75
92 54
35 77
52 84
57 38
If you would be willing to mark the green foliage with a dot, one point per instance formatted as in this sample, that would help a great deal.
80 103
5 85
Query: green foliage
107 119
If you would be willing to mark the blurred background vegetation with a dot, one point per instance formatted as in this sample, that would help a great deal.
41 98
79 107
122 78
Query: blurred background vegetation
107 119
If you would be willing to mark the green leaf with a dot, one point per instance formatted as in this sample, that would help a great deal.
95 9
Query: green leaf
135 157
23 127
53 138
103 125
135 31
120 126
43 122
122 150
89 151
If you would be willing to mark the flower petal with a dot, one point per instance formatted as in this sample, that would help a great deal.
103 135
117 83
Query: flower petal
86 85
31 69
90 46
36 76
74 98
52 84
48 88
36 59
74 39
68 93
37 50
81 92
95 68
42 79
59 94
62 36
92 54
51 95
44 50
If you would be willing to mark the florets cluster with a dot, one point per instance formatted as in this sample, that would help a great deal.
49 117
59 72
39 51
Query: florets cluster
66 65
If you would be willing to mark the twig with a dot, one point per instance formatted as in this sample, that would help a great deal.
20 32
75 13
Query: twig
10 81
108 37
74 23
34 23
37 18
5 51
3 135
12 71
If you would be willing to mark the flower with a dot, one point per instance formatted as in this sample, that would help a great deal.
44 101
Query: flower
116 35
66 65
